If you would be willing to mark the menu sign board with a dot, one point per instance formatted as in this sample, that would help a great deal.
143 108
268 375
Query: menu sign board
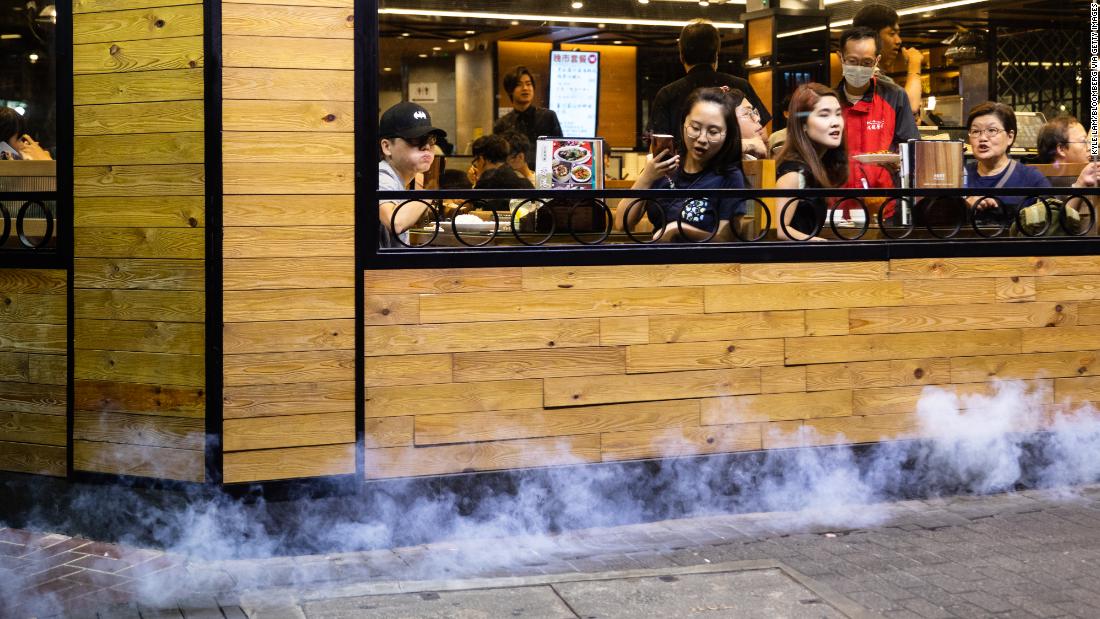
569 163
575 90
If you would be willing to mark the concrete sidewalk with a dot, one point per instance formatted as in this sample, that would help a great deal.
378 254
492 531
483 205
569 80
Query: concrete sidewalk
1027 554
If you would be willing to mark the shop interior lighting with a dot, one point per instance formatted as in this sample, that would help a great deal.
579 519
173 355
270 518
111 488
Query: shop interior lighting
577 5
929 8
10 37
624 21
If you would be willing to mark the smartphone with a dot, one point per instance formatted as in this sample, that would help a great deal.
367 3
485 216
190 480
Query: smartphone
8 151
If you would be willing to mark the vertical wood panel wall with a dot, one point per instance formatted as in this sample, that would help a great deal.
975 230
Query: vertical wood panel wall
487 369
139 241
289 287
32 371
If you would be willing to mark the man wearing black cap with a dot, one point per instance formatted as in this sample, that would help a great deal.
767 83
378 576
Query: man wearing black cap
406 137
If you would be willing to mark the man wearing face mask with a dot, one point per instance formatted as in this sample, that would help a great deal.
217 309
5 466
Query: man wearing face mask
877 117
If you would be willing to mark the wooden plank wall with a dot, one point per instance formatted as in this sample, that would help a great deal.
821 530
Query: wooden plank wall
484 369
32 371
138 238
289 265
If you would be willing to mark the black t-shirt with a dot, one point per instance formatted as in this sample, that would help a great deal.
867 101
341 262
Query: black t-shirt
664 116
697 211
808 214
534 122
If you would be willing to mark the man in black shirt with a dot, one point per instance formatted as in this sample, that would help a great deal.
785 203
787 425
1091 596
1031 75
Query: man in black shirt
699 44
525 117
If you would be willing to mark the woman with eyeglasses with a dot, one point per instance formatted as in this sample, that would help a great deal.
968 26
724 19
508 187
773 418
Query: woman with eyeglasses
708 158
992 132
753 137
814 156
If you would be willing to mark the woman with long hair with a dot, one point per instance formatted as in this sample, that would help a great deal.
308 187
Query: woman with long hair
709 157
814 156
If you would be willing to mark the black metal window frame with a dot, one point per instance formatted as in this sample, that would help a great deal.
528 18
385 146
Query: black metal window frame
370 256
59 220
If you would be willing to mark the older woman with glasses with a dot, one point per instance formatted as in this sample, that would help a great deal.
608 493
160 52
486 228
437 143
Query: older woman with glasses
992 132
753 137
708 158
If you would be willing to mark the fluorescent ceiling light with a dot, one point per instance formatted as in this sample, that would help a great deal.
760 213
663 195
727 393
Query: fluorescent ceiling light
625 21
9 37
916 9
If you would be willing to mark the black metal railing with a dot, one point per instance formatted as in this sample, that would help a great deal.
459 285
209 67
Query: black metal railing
29 229
534 218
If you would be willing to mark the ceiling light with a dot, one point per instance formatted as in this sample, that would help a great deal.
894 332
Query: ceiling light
467 32
704 3
926 14
515 22
626 21
452 40
643 1
601 25
9 37
436 49
577 5
387 68
48 14
33 57
618 42
405 34
422 55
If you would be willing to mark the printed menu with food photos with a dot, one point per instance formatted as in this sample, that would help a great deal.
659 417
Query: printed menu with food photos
569 163
575 90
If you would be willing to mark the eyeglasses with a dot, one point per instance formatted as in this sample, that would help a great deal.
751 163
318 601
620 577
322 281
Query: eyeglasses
856 62
751 112
693 131
421 143
990 132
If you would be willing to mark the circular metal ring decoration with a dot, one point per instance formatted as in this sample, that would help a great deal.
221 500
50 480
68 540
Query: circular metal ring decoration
709 237
466 204
21 217
882 226
659 229
999 210
818 225
393 222
541 208
1092 215
959 219
763 229
866 219
1049 217
6 232
609 221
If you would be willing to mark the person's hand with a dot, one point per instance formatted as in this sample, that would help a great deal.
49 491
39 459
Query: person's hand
980 203
755 147
1090 176
913 59
30 149
656 166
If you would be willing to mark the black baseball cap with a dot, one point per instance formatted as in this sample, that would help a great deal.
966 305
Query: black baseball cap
407 120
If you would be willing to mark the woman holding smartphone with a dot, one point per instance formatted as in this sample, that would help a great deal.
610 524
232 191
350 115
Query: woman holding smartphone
709 158
814 156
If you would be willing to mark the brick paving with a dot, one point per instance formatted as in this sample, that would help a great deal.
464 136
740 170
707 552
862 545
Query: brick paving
1025 554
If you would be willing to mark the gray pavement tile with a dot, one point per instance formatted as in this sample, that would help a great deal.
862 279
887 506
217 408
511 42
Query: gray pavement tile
902 614
925 609
1079 609
990 603
1035 607
524 602
874 601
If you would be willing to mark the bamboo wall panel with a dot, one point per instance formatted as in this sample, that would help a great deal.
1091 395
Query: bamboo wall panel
288 245
139 238
33 366
485 369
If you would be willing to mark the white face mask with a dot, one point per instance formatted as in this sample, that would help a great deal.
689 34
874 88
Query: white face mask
857 77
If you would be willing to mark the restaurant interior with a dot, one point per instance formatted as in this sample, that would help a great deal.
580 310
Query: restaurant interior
1029 54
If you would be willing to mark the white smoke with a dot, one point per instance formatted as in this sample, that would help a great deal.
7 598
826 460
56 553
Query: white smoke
982 443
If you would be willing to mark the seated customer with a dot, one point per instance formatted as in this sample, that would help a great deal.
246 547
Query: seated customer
709 158
490 152
753 137
992 132
815 155
1063 140
406 138
502 177
14 141
518 145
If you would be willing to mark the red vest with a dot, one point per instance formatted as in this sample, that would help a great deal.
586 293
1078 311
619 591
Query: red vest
869 127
